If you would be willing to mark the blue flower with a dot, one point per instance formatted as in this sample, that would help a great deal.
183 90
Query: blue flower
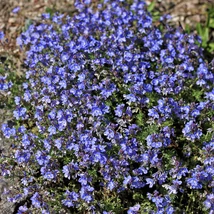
47 174
7 131
16 10
86 193
68 202
191 131
153 113
83 179
209 202
150 181
66 171
64 56
127 180
111 185
1 35
42 158
134 209
119 110
109 134
46 16
52 130
20 113
193 183
22 156
36 200
22 210
96 111
130 97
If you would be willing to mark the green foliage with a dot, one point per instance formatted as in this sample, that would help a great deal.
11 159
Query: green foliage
151 6
50 10
198 95
206 30
7 68
155 14
147 130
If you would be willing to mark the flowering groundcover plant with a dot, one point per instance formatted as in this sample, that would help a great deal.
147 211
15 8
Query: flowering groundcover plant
115 116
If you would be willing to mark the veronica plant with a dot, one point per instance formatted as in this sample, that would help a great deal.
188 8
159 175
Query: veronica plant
116 116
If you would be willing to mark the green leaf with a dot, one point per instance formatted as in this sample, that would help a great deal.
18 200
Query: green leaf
211 46
143 134
205 38
197 95
199 29
211 23
151 6
140 119
187 28
203 33
167 123
50 11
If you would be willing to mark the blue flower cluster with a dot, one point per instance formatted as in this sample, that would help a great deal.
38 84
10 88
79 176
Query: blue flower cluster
114 115
4 85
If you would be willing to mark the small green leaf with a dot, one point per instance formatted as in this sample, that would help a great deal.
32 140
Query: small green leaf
199 29
151 6
140 119
187 28
167 123
211 23
50 11
211 46
205 37
197 95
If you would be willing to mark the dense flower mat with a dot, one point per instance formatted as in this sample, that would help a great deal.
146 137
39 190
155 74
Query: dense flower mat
116 115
